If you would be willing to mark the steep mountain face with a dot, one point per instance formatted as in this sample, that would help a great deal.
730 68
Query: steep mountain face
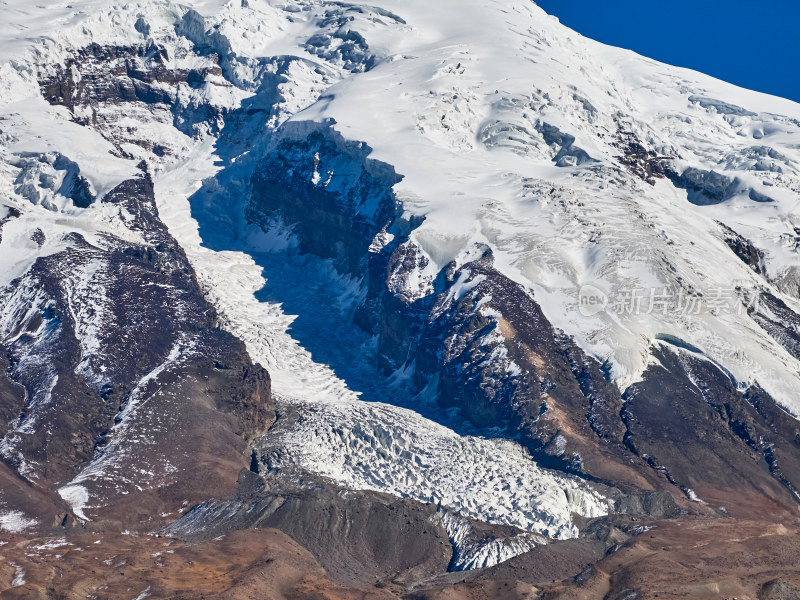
455 298
116 366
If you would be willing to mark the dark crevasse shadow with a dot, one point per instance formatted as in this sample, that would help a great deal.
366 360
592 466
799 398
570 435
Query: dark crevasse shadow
309 287
324 302
306 286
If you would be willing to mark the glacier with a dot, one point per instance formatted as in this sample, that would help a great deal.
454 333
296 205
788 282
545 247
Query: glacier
600 183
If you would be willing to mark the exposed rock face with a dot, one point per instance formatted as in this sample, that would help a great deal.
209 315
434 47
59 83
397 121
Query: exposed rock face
144 78
642 162
720 446
779 320
338 204
359 538
745 250
106 348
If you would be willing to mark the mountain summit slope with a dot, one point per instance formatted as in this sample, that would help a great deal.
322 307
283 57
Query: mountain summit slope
521 296
583 165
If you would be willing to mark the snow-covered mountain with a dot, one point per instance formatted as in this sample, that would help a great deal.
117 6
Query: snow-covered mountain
529 284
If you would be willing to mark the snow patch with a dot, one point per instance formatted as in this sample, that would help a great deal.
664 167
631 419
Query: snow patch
15 521
145 594
77 497
471 553
19 576
690 493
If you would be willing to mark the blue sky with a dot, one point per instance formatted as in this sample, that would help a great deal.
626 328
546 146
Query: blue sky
752 44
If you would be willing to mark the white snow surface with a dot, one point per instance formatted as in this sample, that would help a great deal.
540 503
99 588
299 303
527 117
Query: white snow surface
460 98
19 576
15 521
77 497
471 553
